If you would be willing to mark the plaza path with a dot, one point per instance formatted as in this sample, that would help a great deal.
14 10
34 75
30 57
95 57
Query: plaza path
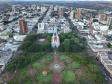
56 74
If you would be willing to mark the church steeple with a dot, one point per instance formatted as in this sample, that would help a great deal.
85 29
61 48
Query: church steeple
55 42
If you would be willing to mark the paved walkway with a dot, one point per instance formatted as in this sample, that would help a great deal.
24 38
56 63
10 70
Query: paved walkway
56 73
56 67
56 78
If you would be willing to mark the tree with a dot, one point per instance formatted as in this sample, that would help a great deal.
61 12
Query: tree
70 42
32 44
66 45
25 46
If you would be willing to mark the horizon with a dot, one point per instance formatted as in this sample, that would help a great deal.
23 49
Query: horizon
55 0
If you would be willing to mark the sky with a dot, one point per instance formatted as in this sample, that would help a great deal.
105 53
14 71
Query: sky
54 0
65 0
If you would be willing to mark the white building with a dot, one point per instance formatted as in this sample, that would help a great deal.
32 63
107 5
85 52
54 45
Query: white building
65 28
110 21
55 41
19 37
43 9
41 27
100 38
102 29
80 25
56 8
5 37
1 26
13 9
52 29
72 15
2 67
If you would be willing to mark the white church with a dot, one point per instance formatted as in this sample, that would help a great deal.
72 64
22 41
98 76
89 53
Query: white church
55 41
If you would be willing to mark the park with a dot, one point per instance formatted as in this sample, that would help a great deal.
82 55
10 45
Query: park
39 63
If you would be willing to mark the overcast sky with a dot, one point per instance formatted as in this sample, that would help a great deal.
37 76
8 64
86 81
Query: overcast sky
55 0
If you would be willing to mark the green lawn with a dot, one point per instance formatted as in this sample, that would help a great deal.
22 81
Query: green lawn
44 79
75 65
37 65
78 69
62 57
67 76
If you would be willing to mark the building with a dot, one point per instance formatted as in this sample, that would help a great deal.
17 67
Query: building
19 37
66 29
110 22
5 37
60 12
78 13
51 29
1 26
55 41
97 28
43 9
56 8
41 27
23 26
102 17
13 9
72 15
2 67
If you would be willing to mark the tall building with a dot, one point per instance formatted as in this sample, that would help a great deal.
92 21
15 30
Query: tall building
23 26
13 9
55 8
110 22
52 7
78 13
72 15
60 12
105 19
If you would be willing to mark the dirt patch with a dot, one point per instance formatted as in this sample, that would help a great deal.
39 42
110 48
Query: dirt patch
79 72
31 71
